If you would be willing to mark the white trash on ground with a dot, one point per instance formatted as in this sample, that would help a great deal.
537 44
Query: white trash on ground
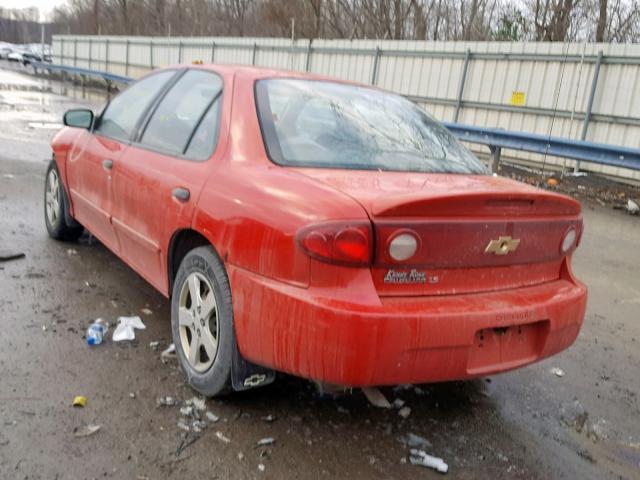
423 459
168 353
632 207
558 372
376 397
126 328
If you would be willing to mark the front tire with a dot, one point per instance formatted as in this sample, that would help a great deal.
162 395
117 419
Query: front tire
55 207
202 322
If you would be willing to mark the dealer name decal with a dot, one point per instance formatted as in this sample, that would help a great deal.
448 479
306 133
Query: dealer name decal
404 276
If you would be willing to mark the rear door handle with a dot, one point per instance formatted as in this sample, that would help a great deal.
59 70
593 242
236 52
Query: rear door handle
181 194
107 164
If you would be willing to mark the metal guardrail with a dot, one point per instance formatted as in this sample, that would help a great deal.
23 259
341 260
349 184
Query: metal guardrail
495 138
87 72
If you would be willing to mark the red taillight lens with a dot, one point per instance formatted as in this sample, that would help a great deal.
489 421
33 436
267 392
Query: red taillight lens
347 243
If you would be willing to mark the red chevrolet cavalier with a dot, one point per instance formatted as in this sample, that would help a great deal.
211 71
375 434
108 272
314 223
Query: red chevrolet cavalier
325 229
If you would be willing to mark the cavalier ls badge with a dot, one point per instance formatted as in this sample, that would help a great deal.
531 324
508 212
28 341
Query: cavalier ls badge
405 277
502 245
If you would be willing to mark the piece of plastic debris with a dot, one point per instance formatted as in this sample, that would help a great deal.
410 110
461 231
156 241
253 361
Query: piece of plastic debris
132 394
85 430
263 442
416 441
269 418
146 311
632 207
198 426
212 417
126 328
398 403
165 401
183 426
8 175
240 456
222 438
96 332
404 412
6 256
198 403
79 401
154 345
423 459
552 182
72 251
261 467
168 353
376 397
558 372
186 411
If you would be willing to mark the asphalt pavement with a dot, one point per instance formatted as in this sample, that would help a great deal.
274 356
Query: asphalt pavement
529 423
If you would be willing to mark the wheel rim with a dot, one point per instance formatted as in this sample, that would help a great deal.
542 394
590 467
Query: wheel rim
198 322
52 197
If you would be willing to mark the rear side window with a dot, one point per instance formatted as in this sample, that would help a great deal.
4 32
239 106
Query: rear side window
122 114
185 121
322 124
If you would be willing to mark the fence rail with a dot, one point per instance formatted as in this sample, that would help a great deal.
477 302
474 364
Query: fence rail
495 139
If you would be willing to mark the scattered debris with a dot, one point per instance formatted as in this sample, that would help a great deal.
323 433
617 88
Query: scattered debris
85 431
198 403
398 403
240 456
125 329
79 401
183 426
376 397
558 372
198 426
166 402
213 418
269 418
7 256
261 467
416 441
222 438
96 332
632 207
154 345
132 394
72 251
146 311
186 411
8 175
168 353
423 459
404 412
263 442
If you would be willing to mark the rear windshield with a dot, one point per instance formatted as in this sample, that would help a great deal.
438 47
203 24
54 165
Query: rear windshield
307 123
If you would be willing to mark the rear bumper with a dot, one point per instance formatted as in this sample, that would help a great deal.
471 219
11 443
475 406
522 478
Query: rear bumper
308 333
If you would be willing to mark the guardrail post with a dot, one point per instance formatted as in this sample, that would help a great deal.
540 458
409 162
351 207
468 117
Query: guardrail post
307 62
213 51
151 54
463 79
75 52
106 56
495 158
90 50
126 59
592 94
253 55
374 69
62 51
180 51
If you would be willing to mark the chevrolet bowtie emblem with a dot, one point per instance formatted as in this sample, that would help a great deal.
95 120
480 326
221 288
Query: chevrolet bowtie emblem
502 245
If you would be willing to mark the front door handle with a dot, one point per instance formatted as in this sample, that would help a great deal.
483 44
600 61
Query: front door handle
107 164
181 194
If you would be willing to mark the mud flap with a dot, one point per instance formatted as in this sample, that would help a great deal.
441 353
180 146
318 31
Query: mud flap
246 375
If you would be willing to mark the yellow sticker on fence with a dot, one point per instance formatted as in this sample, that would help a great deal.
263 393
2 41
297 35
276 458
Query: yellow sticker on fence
517 98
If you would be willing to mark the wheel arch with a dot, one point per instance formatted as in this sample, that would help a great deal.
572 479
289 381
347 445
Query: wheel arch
181 243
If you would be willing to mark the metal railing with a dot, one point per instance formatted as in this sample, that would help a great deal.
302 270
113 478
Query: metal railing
496 139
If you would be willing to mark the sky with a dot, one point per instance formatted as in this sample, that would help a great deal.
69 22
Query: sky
45 6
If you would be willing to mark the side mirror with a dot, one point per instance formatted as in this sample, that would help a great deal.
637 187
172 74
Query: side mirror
79 118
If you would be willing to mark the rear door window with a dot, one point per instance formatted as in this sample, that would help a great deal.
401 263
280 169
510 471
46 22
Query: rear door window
122 114
185 122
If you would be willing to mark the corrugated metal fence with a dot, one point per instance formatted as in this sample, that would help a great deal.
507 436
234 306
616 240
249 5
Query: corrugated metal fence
580 91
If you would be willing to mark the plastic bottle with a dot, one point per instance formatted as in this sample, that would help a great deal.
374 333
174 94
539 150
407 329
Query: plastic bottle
96 332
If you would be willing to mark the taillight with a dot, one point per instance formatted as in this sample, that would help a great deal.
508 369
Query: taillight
568 240
347 243
403 246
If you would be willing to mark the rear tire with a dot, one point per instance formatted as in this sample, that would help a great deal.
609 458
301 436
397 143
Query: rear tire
55 207
202 322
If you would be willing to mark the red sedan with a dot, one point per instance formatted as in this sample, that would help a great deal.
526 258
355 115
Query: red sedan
316 227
